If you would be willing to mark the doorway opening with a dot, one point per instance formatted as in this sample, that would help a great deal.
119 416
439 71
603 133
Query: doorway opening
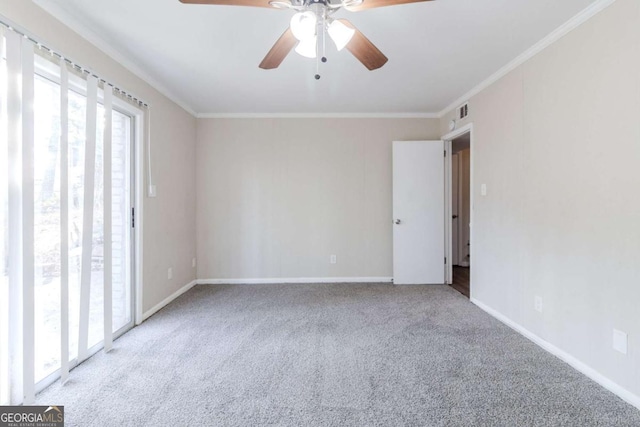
459 195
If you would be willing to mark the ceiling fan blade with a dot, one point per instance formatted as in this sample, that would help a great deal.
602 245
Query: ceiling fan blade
254 3
370 4
279 51
365 51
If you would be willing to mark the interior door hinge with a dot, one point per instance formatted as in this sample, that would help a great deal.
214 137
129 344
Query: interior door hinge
445 260
133 218
445 153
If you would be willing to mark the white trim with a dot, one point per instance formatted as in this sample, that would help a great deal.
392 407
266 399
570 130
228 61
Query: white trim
191 284
76 25
318 116
551 38
596 376
468 128
448 214
153 310
288 280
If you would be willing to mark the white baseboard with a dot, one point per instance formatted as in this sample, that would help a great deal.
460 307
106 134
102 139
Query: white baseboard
190 285
596 376
295 280
153 310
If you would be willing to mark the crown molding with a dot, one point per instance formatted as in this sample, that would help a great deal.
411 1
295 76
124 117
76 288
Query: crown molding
74 24
318 116
573 23
550 39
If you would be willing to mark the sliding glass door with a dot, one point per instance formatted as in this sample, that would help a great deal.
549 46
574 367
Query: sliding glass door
47 221
72 257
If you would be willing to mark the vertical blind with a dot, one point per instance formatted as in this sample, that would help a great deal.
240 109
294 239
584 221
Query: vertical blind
80 201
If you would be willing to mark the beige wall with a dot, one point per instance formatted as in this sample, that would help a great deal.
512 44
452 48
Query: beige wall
169 228
557 141
277 197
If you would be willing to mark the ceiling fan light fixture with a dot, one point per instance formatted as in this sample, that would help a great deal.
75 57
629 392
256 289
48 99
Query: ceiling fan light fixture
308 47
340 34
303 25
351 3
281 4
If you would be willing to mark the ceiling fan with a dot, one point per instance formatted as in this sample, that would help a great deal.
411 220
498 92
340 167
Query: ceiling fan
313 19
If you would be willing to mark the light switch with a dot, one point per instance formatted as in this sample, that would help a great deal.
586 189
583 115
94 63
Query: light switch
620 341
483 190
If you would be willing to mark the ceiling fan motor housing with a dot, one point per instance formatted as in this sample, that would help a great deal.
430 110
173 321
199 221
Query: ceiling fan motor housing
313 2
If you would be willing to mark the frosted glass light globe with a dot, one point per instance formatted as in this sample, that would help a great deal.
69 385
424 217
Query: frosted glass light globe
303 25
340 34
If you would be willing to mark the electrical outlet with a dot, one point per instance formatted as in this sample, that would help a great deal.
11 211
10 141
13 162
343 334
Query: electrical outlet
170 273
193 262
483 189
620 341
537 304
333 259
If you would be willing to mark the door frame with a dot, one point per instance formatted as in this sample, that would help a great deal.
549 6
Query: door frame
140 118
139 122
448 138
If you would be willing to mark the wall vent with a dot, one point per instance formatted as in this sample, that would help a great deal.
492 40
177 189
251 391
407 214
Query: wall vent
463 111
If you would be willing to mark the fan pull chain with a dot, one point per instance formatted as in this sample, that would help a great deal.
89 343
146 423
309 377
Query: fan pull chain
317 76
324 37
317 68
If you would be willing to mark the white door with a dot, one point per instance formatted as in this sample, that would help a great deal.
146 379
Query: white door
418 212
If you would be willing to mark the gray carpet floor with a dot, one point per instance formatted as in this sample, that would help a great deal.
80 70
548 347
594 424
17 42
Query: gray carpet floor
330 355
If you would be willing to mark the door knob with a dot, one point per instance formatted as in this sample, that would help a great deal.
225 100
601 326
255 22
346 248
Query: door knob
398 222
455 216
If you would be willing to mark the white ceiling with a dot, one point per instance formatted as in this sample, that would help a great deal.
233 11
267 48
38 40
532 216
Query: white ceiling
207 57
